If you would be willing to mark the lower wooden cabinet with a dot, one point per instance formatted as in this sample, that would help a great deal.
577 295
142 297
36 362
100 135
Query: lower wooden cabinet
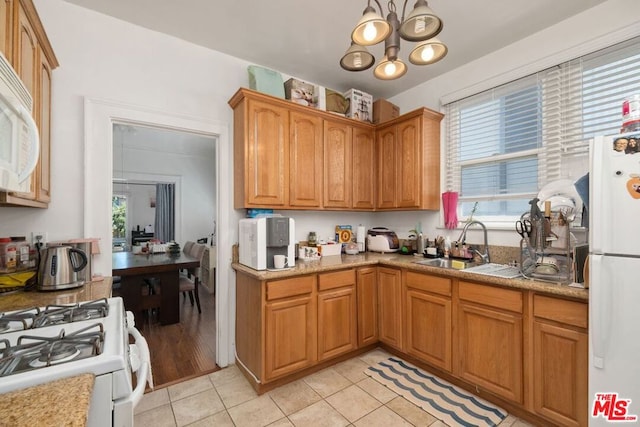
428 318
560 360
337 314
477 332
490 339
290 326
289 336
367 296
390 307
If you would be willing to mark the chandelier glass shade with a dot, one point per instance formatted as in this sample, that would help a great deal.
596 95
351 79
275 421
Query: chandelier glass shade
420 25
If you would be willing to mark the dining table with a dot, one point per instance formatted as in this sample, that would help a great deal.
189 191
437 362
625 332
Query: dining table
164 269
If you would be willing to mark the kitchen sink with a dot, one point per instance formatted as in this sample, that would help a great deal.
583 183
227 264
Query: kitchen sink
496 270
489 269
446 263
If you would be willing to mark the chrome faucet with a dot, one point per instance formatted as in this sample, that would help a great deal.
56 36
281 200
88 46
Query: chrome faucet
485 257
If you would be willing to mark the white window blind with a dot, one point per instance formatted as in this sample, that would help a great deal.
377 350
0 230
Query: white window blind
506 143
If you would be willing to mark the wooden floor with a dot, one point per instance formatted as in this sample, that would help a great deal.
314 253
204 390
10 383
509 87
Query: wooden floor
186 349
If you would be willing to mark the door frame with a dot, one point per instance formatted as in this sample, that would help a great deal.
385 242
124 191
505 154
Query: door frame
100 115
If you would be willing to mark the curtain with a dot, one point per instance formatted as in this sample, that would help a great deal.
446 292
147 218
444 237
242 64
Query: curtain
165 212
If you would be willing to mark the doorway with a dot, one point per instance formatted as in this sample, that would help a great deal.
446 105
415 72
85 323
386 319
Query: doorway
142 154
100 116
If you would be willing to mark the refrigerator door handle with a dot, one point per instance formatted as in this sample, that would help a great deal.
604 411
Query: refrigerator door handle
600 309
596 196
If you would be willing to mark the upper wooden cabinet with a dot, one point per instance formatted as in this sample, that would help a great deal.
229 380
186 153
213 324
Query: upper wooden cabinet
363 168
288 156
261 150
6 23
25 44
338 150
305 160
408 150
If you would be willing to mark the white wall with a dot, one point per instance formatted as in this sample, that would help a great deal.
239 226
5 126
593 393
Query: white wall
608 23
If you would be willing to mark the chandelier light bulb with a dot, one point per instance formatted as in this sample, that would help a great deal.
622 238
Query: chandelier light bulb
357 60
370 31
390 69
427 53
421 25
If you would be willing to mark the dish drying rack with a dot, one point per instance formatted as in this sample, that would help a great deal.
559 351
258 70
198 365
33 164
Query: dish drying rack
549 243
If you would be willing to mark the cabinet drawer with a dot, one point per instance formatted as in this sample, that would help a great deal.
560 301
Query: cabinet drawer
505 299
428 283
569 312
290 287
336 279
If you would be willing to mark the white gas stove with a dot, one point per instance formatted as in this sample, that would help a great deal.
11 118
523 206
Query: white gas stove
43 344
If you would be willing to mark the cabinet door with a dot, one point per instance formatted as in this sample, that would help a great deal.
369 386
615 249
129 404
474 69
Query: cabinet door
386 153
337 329
43 118
490 347
390 307
428 319
560 374
367 292
409 163
26 65
290 335
305 160
337 165
266 155
364 169
6 29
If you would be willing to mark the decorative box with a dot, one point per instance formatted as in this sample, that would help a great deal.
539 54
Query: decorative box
384 110
300 92
360 105
265 80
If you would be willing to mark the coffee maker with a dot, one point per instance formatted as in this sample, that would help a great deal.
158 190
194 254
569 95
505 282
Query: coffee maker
262 238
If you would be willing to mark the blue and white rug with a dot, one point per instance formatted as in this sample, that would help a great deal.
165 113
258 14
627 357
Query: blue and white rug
441 399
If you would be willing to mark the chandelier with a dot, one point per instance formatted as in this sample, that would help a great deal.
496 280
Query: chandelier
421 25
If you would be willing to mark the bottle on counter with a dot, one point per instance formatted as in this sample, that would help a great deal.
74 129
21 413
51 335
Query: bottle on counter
312 240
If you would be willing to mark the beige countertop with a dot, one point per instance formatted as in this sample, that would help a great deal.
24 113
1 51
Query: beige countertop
63 402
26 299
407 261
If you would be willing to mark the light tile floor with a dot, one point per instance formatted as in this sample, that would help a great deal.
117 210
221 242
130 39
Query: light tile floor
341 395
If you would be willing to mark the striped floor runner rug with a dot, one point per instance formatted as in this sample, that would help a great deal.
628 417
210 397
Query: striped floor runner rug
441 399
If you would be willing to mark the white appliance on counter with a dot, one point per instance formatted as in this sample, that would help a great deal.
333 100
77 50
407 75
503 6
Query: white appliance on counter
20 145
43 344
614 300
262 238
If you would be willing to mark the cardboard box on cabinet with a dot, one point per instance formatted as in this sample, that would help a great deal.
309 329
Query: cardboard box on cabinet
301 92
360 105
384 111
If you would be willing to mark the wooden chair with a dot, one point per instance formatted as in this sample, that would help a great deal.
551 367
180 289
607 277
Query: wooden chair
191 281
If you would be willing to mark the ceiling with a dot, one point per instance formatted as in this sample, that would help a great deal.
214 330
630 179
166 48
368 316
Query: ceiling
307 39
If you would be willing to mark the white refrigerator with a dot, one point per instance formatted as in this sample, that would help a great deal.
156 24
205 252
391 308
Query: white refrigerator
614 277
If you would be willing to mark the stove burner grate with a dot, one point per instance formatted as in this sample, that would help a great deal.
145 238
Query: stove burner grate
58 314
33 352
19 320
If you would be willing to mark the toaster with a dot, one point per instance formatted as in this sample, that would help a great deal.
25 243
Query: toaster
381 239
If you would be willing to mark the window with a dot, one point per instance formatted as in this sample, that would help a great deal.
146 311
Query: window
119 221
506 143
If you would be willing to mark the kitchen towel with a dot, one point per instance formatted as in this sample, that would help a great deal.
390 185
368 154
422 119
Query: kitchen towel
450 208
444 401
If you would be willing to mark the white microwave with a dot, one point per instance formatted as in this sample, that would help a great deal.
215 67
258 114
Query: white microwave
19 139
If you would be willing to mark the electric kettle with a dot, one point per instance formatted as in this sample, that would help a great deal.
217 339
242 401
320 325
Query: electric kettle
59 267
